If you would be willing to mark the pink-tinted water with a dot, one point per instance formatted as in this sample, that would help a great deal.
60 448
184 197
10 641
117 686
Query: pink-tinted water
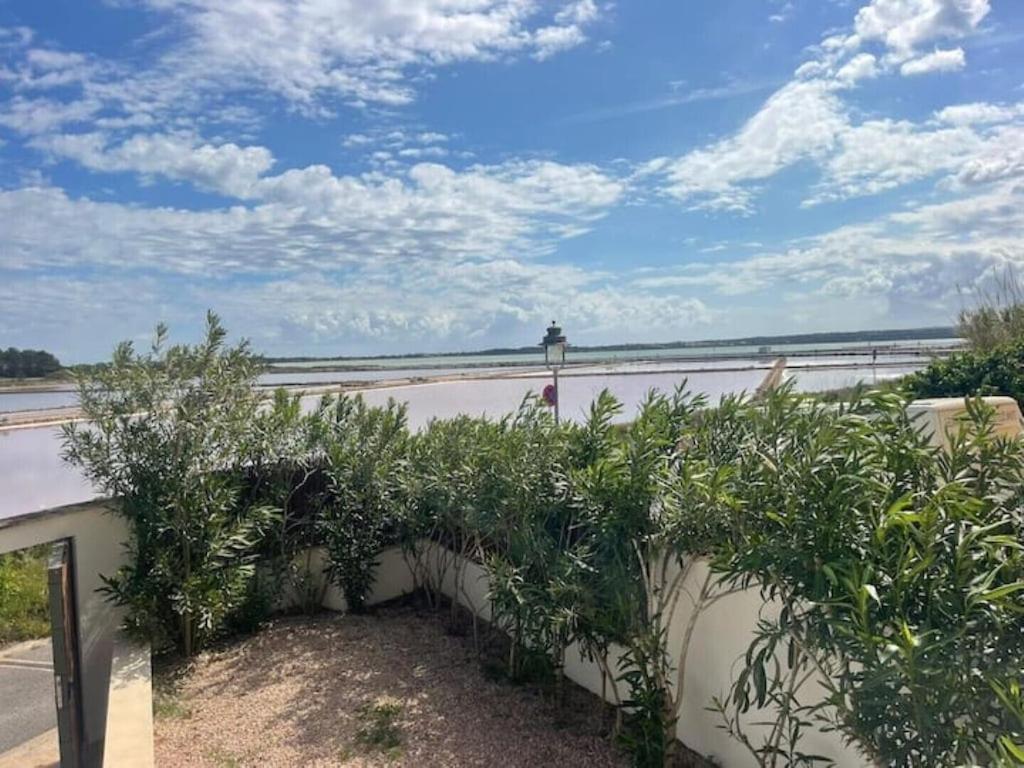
34 477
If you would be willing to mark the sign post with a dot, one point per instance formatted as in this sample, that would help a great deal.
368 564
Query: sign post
554 344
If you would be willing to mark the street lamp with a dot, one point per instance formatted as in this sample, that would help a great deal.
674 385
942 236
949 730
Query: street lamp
554 358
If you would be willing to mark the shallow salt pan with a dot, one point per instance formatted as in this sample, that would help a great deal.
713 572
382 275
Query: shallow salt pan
33 476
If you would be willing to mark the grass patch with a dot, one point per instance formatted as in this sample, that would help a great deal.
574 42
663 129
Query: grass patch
380 730
224 759
24 598
169 706
168 702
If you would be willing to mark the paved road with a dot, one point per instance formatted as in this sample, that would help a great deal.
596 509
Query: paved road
27 706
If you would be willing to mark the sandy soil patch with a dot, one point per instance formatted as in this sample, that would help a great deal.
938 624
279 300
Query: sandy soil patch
297 693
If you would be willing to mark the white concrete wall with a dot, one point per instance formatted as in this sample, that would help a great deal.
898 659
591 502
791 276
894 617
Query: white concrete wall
97 537
392 579
128 742
720 640
722 634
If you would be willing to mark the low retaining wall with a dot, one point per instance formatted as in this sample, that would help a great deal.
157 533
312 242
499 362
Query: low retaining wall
115 674
721 637
393 578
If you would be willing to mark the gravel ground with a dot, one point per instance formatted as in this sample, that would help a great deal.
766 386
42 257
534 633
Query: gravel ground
292 696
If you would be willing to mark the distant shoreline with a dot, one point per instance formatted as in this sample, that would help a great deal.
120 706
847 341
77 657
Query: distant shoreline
332 364
832 337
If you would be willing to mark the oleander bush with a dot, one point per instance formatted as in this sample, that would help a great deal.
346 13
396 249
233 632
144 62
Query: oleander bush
992 362
897 570
364 452
899 573
977 372
173 435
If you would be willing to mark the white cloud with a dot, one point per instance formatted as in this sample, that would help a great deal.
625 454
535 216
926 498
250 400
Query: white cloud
910 264
555 39
225 168
15 37
39 69
978 113
877 155
424 307
41 115
783 13
579 12
937 61
422 152
382 145
801 121
436 254
314 54
428 308
1001 158
356 140
312 219
861 67
905 25
360 50
429 262
808 120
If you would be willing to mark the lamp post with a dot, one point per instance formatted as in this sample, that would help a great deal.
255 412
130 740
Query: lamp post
554 358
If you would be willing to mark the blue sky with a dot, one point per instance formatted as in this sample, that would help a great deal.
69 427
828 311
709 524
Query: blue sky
357 176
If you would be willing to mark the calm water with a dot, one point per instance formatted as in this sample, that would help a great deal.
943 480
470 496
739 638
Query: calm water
33 477
633 354
500 396
65 398
824 380
332 377
30 401
36 401
32 474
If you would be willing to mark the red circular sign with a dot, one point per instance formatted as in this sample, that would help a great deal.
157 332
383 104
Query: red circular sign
550 395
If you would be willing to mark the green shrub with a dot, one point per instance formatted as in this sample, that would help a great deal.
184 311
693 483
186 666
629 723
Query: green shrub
997 318
24 606
364 451
899 571
172 435
996 371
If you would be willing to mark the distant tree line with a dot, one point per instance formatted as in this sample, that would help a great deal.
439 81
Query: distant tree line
826 337
25 363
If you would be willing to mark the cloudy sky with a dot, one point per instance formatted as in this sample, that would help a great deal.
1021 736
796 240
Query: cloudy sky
354 176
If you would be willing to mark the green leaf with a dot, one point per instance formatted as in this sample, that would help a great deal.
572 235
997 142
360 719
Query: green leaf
1003 591
912 640
1012 748
830 574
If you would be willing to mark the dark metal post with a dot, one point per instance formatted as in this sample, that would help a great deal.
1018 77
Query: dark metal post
555 372
66 664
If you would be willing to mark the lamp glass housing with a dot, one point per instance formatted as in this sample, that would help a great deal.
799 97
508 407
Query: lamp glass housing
554 354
